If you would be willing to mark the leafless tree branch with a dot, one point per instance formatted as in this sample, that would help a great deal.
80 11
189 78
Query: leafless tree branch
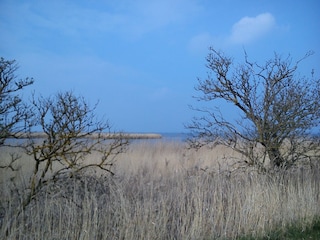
279 109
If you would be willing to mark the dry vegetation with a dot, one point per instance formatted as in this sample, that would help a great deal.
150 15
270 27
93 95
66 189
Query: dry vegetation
161 190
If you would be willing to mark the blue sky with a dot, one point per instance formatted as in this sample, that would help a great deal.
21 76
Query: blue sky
141 59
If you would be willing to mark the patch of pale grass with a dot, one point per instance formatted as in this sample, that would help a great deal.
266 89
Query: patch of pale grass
171 157
163 191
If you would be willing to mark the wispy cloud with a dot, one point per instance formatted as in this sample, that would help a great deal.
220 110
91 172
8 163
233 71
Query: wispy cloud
65 18
144 16
130 19
160 93
200 43
248 29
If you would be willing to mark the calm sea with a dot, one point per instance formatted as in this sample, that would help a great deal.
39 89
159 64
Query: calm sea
180 137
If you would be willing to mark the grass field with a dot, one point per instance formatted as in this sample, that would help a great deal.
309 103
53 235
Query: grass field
161 190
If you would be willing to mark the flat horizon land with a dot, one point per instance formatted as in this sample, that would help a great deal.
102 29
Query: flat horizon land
127 135
162 190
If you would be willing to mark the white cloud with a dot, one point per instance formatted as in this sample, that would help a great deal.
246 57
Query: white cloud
246 30
249 29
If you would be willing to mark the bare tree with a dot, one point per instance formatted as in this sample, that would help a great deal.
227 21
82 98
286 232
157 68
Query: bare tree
279 110
69 133
59 132
13 112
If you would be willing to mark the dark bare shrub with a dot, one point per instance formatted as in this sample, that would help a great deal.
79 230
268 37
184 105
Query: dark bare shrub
13 112
69 133
59 133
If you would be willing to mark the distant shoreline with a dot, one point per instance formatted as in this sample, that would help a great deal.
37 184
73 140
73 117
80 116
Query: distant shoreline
102 135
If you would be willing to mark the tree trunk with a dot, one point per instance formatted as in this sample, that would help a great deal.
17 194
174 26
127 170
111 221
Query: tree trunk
276 158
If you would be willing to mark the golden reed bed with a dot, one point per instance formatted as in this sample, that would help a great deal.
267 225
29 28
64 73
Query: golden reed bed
161 190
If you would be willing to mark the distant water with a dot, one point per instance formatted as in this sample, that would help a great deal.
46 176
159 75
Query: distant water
179 137
165 137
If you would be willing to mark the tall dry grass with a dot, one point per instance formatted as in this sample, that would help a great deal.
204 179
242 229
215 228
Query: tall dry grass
163 191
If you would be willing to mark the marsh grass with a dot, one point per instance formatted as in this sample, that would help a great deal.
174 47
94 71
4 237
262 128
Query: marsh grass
163 191
294 232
